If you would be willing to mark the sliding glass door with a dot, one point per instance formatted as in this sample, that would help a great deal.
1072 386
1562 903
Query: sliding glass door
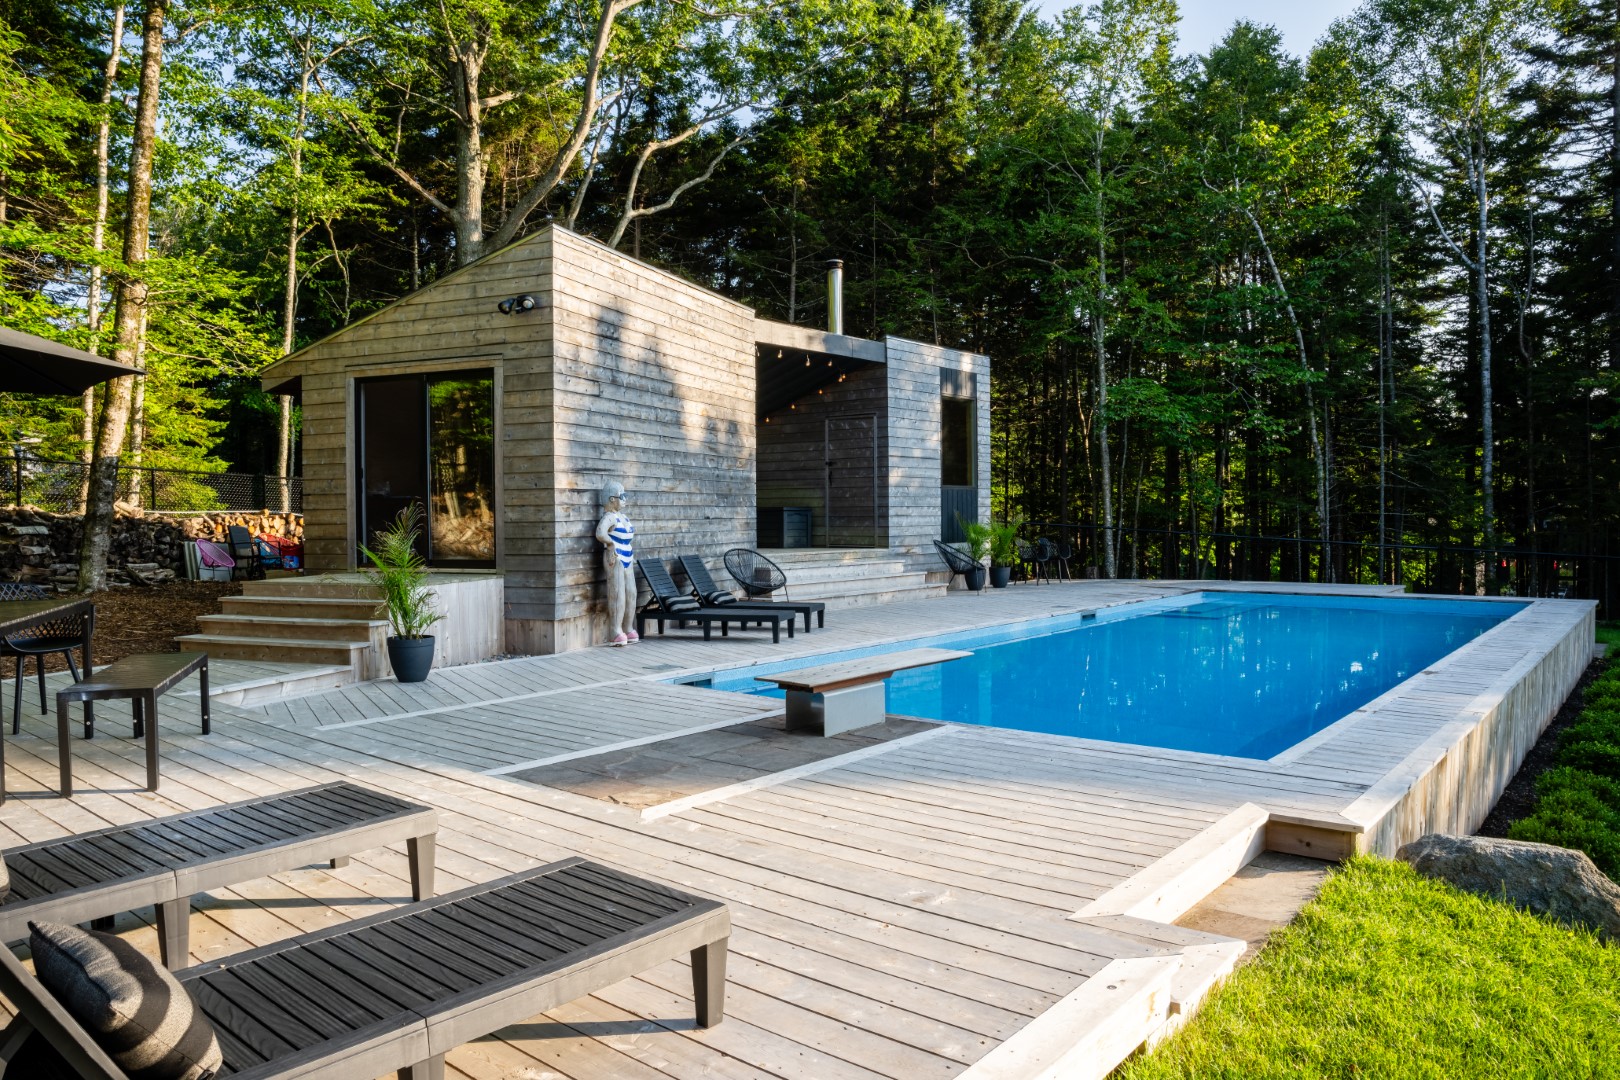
430 439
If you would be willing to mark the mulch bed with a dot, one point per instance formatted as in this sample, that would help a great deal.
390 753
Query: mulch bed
146 620
1519 800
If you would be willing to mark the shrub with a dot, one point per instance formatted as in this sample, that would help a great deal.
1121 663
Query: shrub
1576 809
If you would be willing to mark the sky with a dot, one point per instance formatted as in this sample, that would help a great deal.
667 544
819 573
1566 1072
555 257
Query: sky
1204 22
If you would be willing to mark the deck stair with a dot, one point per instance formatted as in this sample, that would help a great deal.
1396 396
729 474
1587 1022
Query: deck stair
851 577
335 624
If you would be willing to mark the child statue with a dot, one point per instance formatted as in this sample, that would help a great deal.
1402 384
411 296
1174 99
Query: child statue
617 537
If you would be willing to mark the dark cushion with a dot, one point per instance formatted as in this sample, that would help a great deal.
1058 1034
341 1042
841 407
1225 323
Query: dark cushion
718 598
681 603
137 1012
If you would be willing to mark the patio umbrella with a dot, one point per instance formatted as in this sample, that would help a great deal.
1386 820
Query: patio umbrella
35 365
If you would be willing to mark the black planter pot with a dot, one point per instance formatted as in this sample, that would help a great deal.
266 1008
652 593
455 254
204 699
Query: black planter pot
974 579
411 658
1000 576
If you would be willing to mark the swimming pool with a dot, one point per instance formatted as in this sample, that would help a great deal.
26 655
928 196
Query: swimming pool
1244 675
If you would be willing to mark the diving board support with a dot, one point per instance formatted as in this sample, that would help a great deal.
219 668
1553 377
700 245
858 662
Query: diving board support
834 698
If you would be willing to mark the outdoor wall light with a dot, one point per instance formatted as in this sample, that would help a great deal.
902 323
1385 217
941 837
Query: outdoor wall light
515 304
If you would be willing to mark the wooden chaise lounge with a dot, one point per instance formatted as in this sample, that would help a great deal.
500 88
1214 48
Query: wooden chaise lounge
670 604
397 990
705 589
166 861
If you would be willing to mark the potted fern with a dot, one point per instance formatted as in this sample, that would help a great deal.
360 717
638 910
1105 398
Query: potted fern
401 575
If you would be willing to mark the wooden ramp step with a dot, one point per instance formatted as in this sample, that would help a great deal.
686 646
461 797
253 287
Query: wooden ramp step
294 627
294 606
353 654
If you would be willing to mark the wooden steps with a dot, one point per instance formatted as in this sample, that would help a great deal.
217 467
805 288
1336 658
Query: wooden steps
854 577
333 624
276 650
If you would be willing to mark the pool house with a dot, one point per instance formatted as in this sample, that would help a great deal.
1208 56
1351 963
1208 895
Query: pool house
504 395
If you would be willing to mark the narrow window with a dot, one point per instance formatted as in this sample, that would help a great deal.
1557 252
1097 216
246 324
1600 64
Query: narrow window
956 441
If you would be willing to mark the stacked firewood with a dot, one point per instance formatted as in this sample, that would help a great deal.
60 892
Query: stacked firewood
212 526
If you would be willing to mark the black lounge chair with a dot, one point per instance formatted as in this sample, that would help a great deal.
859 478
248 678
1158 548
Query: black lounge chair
395 991
166 861
670 604
958 562
704 587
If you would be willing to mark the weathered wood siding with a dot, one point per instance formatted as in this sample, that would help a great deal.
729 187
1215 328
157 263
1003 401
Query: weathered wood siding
795 446
914 439
624 372
653 386
450 325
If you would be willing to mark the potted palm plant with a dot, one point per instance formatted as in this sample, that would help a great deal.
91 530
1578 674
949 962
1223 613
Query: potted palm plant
1003 552
977 536
401 574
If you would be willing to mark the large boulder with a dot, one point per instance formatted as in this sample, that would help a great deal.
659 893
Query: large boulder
1556 882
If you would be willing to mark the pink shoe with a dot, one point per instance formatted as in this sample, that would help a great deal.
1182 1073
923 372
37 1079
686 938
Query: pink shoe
619 639
632 637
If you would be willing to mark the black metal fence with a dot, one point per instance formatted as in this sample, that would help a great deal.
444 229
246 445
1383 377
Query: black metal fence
59 486
1457 570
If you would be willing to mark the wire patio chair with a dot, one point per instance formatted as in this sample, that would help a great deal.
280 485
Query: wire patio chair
757 575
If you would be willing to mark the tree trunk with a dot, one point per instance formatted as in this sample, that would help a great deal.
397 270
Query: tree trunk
1317 452
98 241
1099 331
1386 331
471 164
289 306
135 439
131 296
1614 211
1487 465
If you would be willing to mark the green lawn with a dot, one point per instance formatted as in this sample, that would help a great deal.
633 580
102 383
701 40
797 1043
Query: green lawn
1608 633
1391 975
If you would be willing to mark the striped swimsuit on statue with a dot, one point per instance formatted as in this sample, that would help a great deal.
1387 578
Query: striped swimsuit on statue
623 535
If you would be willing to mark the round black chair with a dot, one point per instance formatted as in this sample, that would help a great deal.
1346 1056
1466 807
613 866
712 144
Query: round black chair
956 559
757 575
58 636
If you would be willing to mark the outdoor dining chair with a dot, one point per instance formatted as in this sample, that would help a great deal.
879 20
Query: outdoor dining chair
245 551
1045 552
58 636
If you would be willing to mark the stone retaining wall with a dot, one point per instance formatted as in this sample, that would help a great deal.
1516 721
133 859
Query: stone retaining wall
39 546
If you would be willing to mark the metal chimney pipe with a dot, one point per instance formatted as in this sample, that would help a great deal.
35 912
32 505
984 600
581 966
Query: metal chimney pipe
835 296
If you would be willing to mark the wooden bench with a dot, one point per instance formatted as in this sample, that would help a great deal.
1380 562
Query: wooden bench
166 861
397 990
842 696
141 679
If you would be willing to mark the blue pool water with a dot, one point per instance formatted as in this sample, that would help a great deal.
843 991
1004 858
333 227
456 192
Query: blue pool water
1241 675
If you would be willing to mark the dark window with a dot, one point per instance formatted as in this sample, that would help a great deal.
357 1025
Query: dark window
956 441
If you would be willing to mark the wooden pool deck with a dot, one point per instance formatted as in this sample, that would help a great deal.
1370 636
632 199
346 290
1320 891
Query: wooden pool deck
936 906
